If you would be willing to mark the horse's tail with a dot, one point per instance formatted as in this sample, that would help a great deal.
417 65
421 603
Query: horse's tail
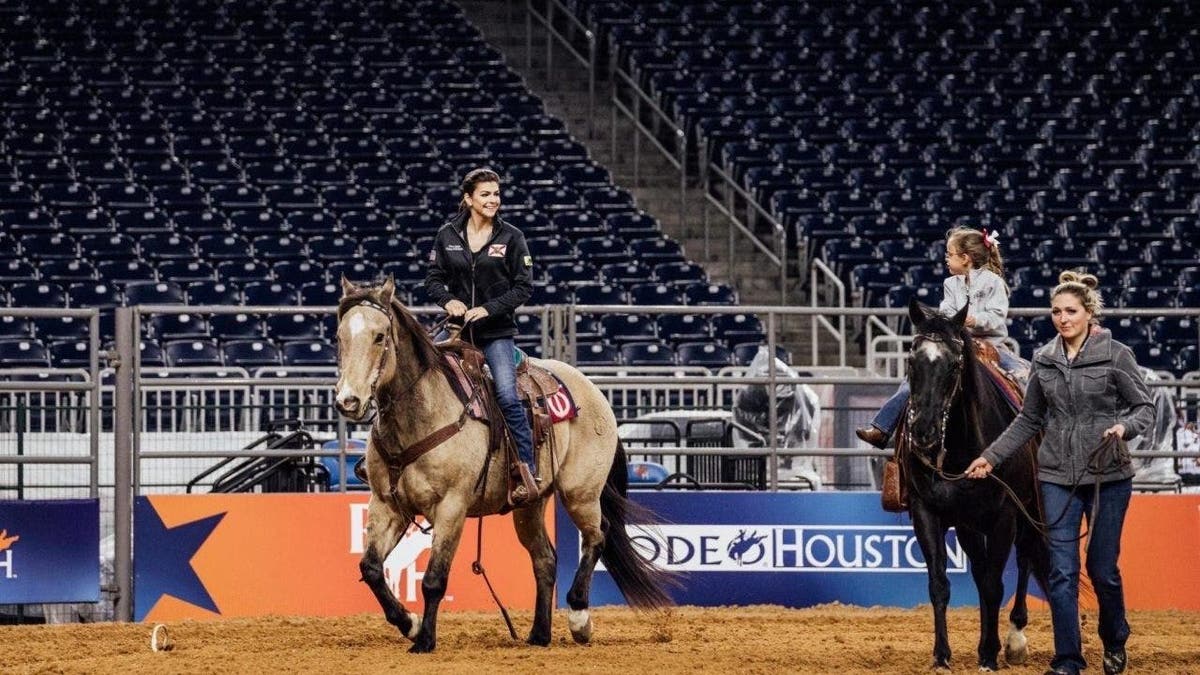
642 584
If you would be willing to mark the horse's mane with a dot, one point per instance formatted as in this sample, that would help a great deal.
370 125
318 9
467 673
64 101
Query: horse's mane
424 350
984 408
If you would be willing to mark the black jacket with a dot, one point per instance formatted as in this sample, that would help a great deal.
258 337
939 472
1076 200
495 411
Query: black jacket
497 279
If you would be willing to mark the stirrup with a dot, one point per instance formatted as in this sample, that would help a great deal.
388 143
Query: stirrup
526 489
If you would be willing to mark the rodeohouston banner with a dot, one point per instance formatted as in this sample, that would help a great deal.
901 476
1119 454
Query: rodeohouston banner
212 556
803 549
49 551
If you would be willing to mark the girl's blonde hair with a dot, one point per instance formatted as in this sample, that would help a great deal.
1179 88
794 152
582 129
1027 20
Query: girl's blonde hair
984 254
1083 286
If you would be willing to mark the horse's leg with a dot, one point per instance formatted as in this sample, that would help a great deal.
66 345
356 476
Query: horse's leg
931 535
383 533
531 530
1015 652
447 519
586 516
988 553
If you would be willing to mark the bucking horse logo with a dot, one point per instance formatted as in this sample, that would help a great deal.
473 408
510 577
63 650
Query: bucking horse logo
741 545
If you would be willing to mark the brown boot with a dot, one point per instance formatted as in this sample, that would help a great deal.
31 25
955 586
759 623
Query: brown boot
526 489
872 435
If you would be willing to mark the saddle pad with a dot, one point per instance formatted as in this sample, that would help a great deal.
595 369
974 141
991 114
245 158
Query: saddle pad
546 388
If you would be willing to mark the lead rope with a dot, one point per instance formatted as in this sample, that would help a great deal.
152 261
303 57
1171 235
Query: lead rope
477 568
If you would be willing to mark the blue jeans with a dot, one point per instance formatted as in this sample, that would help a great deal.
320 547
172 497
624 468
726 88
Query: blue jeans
499 356
1103 550
888 417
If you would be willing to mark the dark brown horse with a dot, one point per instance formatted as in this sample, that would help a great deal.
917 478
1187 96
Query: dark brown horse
388 363
954 413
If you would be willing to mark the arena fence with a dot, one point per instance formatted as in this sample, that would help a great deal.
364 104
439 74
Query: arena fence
125 431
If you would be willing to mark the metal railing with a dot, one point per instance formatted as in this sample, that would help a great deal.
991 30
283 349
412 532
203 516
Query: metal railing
552 34
632 112
824 286
777 255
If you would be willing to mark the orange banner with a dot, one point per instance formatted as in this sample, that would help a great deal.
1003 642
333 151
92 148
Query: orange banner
1160 552
262 554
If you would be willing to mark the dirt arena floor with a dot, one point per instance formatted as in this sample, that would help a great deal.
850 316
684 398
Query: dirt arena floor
829 639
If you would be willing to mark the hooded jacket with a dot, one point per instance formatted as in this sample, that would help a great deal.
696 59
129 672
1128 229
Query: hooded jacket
1074 402
497 278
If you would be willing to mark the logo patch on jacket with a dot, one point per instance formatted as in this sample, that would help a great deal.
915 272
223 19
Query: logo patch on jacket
529 261
497 250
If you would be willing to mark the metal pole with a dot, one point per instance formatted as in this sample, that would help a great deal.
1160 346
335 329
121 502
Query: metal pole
772 421
783 275
549 42
529 37
21 423
126 344
636 119
94 408
591 38
682 135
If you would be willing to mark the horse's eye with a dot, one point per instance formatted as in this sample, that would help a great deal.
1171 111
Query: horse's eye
379 338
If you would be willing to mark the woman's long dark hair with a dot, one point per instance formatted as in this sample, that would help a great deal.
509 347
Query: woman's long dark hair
474 177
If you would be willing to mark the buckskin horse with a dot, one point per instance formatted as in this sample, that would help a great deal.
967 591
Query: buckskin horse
956 409
387 362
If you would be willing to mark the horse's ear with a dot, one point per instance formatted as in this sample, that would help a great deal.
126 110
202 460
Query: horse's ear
960 318
916 313
348 287
387 290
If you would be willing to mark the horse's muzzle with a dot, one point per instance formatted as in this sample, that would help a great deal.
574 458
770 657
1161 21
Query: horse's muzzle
353 408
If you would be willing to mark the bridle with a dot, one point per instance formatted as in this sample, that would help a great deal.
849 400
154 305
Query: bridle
956 370
389 347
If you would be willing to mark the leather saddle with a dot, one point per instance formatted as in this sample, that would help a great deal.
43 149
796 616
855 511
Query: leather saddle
465 368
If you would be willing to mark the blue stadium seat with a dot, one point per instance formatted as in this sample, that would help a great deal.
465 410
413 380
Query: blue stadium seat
599 294
15 327
191 353
250 354
738 328
23 353
709 294
654 294
36 294
293 327
628 327
679 328
707 354
235 326
185 271
178 326
69 354
265 293
647 354
321 294
53 329
596 354
308 353
153 293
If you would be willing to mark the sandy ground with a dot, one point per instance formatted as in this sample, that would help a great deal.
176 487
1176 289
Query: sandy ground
829 639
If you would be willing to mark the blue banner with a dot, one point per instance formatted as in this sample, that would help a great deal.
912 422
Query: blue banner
49 551
790 549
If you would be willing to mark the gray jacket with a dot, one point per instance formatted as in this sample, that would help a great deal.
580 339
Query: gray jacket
989 302
1074 403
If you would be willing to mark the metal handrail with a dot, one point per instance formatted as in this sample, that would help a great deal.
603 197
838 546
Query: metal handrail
589 61
777 257
822 271
634 115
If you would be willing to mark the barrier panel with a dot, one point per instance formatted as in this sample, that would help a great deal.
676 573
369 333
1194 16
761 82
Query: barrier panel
214 556
49 551
804 549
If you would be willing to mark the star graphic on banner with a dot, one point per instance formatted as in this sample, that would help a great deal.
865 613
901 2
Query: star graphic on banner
162 559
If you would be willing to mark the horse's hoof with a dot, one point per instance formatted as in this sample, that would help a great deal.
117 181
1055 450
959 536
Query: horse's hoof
1015 652
539 640
941 666
987 669
421 647
580 623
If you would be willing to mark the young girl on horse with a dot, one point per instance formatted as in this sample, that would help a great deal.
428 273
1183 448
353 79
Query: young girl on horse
480 273
977 276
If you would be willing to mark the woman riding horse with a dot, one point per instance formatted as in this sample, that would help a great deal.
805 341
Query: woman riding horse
479 272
